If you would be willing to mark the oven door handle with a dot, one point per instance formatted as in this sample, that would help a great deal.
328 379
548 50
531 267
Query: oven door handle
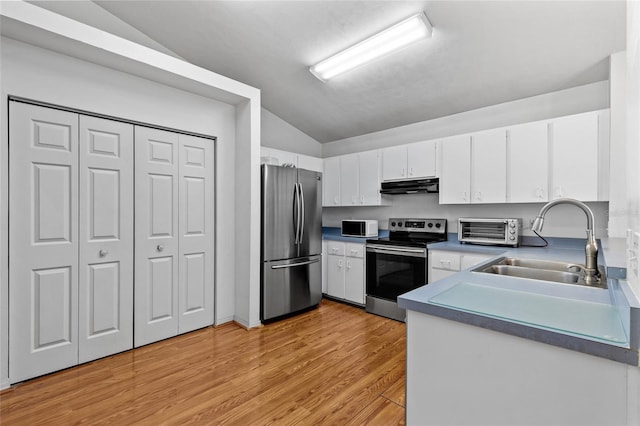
396 250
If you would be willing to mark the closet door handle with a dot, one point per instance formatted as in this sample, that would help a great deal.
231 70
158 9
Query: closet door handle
103 253
160 247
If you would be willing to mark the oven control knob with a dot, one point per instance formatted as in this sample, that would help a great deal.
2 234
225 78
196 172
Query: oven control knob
430 225
400 224
438 225
393 224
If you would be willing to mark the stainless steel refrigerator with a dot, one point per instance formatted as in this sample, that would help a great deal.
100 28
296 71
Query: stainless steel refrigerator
291 240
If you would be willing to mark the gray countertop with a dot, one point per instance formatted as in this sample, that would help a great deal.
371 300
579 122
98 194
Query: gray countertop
601 322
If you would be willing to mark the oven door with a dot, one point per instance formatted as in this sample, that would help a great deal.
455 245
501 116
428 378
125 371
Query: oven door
394 270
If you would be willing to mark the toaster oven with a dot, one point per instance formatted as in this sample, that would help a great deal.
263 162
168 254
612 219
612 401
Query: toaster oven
505 232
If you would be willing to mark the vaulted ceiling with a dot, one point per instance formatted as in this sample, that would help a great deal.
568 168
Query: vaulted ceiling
482 53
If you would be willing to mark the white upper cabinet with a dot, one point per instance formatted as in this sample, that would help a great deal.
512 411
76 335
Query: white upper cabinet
331 182
309 163
353 180
527 164
421 159
369 178
412 161
531 162
394 163
489 166
574 157
279 158
349 173
455 176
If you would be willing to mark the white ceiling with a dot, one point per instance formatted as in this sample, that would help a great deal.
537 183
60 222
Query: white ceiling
482 53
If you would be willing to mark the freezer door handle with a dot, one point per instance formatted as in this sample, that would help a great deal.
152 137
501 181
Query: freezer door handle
296 213
293 265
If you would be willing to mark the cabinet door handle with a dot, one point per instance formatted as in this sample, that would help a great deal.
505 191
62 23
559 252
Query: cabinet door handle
103 253
160 247
558 191
340 263
348 264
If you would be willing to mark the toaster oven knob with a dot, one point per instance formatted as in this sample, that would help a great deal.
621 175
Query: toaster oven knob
400 224
512 238
438 225
430 225
513 231
512 224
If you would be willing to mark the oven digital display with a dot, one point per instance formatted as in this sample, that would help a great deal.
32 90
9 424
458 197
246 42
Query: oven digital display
413 224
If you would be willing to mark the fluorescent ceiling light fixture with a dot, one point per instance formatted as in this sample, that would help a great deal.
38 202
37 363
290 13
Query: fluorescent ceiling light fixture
393 38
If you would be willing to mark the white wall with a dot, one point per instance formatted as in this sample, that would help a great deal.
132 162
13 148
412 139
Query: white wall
617 145
585 98
562 221
277 133
43 75
633 128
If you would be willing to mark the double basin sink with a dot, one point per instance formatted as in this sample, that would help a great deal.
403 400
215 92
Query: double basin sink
544 270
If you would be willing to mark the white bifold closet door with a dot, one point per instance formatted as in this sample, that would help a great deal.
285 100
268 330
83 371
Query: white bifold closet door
70 239
105 289
174 225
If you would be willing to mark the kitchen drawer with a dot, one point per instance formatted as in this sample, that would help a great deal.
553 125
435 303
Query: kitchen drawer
445 260
336 248
354 250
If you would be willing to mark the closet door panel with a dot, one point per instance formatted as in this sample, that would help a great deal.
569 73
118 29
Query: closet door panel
106 238
196 232
43 240
156 235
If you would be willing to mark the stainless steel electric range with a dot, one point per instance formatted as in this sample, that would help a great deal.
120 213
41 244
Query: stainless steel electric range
398 264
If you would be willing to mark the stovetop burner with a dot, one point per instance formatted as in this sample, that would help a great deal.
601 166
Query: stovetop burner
414 232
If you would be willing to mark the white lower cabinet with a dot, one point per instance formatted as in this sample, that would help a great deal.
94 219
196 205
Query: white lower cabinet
345 271
444 263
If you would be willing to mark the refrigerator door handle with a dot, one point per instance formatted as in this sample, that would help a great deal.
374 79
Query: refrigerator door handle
296 213
302 219
293 265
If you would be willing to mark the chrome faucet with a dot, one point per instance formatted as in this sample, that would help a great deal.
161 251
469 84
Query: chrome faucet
591 273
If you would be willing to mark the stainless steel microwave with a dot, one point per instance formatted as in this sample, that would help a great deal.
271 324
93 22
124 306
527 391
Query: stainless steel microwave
505 232
359 228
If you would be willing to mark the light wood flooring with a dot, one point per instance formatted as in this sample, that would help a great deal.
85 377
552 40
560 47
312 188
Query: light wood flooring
335 365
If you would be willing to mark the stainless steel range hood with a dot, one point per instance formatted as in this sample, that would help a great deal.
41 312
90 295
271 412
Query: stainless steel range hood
416 186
